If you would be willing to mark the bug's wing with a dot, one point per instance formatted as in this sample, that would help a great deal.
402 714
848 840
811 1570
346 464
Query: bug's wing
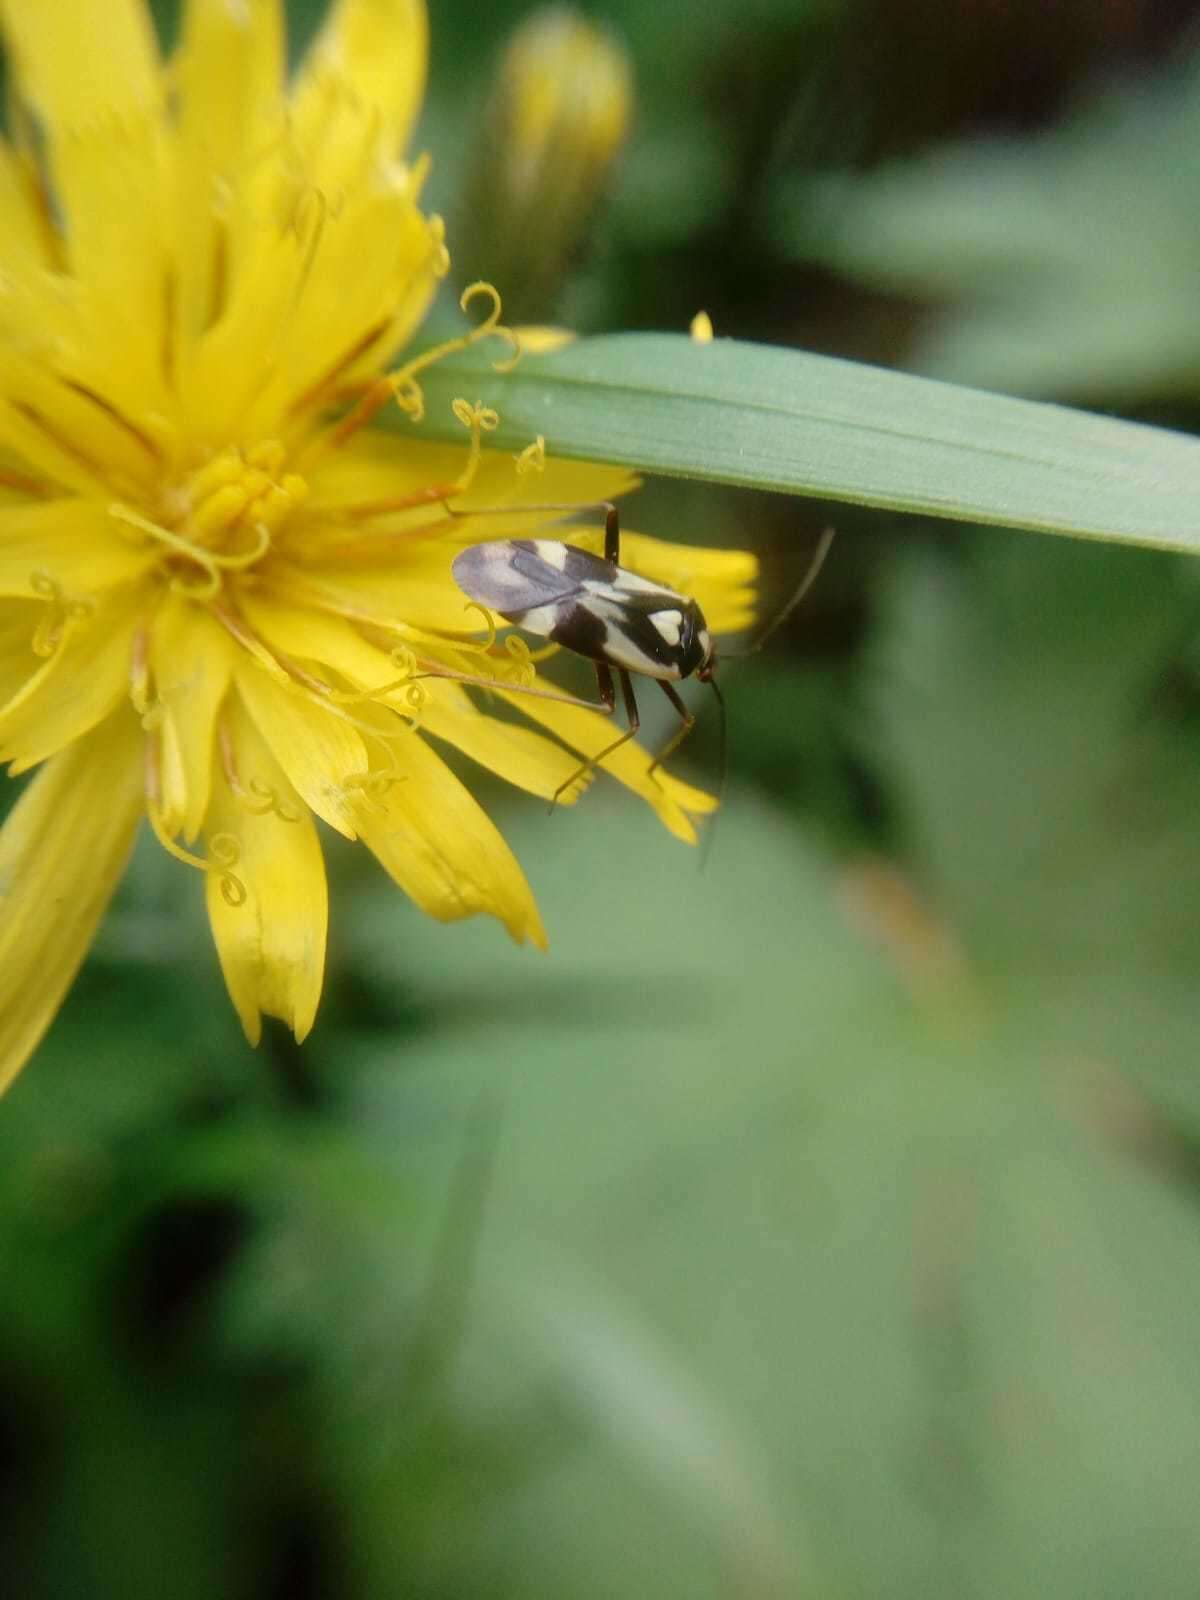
514 575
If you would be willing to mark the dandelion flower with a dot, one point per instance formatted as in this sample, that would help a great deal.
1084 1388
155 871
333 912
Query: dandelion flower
225 605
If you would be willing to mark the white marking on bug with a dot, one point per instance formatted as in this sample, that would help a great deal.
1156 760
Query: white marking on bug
541 619
552 552
621 650
668 624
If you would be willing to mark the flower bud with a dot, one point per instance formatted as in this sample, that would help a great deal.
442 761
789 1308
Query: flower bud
551 131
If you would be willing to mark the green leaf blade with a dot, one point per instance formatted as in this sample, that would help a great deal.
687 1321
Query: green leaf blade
785 420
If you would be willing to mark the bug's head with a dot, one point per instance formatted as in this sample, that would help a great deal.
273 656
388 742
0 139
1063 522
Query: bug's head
696 649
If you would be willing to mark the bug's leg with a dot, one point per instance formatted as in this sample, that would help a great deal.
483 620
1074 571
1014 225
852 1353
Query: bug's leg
604 682
612 535
604 686
687 723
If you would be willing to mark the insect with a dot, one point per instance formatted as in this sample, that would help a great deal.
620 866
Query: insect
623 623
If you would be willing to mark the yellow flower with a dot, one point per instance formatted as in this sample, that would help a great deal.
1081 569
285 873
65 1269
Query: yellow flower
223 604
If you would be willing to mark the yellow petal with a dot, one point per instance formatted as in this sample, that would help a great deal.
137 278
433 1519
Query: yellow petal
85 679
379 241
82 425
230 76
414 588
224 372
589 732
442 848
516 754
22 232
33 440
269 912
74 544
312 636
62 850
321 752
365 70
683 565
18 626
92 76
191 660
80 62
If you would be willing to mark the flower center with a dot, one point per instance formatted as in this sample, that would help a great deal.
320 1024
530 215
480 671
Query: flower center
220 518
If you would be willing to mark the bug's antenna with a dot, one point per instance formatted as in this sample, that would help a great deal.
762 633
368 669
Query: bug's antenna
723 759
806 583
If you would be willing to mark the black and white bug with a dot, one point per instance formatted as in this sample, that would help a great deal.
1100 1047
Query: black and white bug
596 608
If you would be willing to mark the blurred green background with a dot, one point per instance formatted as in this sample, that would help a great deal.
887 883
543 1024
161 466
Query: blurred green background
822 1223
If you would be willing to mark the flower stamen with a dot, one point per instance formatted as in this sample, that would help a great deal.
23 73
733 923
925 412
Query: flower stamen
260 799
241 562
479 419
415 695
60 612
375 784
525 673
178 545
225 853
532 458
481 647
